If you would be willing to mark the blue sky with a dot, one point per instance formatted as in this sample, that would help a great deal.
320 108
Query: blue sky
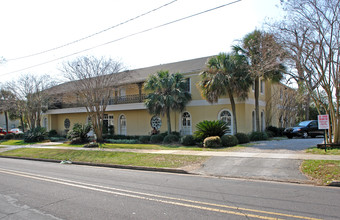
33 26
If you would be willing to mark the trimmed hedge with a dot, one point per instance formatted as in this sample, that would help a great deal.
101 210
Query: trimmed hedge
258 136
144 139
122 141
9 136
156 139
171 138
212 142
229 141
242 138
188 140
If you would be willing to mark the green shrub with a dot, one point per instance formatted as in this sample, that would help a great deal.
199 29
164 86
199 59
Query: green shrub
270 134
158 138
258 136
122 141
91 145
280 132
121 137
2 136
242 138
78 134
19 136
52 133
164 134
176 133
144 139
171 138
212 142
229 141
210 128
9 136
188 140
274 130
35 135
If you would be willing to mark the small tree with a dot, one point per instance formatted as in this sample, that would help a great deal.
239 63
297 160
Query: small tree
265 61
94 80
31 96
226 74
167 92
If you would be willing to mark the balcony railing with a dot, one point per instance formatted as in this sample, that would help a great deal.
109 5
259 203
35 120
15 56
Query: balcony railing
113 101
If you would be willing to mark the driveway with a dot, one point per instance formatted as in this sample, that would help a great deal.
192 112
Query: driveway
278 169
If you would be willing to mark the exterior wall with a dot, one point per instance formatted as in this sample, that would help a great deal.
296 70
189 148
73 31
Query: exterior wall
138 118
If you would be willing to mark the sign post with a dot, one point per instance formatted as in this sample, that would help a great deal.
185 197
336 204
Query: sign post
323 123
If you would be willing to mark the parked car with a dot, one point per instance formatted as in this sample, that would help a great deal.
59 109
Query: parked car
304 129
4 132
16 131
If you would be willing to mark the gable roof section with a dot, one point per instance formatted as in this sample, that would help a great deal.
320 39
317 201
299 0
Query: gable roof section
140 75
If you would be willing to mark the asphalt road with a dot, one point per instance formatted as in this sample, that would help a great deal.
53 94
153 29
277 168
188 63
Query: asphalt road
40 190
278 169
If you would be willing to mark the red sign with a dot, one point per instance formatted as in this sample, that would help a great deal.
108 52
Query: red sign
323 121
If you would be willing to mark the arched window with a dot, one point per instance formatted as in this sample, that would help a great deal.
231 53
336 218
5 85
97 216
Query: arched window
186 124
122 125
226 116
262 121
45 124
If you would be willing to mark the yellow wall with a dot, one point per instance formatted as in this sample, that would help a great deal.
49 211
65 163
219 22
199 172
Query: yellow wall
138 121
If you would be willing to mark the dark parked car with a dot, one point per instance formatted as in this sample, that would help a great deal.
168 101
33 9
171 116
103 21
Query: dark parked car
304 129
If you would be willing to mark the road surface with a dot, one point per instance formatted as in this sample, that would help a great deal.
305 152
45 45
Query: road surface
41 190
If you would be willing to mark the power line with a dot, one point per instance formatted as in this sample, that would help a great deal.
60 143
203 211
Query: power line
92 35
127 36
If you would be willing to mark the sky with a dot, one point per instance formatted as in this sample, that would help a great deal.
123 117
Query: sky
31 27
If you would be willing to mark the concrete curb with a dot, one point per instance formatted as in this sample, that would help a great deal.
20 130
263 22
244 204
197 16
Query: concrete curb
168 170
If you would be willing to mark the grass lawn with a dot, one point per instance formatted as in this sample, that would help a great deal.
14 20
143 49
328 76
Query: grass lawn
323 172
118 158
315 150
14 142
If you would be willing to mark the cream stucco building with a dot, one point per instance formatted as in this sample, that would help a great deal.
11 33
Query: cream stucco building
129 116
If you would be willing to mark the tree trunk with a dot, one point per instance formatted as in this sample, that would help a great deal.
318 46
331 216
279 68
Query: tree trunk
307 103
233 108
168 120
257 107
6 119
22 123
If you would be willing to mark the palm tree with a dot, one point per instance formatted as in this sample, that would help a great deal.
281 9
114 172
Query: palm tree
167 92
265 61
226 74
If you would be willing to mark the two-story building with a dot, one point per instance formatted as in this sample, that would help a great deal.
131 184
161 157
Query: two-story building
127 113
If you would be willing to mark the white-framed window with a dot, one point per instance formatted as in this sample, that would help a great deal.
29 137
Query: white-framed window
262 86
188 85
45 123
226 116
186 124
122 92
262 121
110 119
122 125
